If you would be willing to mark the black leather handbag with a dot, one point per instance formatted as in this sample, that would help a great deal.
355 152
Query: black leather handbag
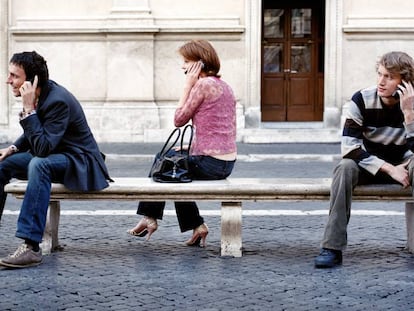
171 166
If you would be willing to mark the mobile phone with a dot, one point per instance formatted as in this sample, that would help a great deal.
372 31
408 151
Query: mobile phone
202 66
30 79
396 95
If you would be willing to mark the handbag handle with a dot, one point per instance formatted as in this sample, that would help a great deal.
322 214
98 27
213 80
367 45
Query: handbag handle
176 132
188 126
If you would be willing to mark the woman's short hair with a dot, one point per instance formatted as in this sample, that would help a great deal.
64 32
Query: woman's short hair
196 50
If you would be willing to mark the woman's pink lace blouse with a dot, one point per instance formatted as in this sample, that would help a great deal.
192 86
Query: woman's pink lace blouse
211 106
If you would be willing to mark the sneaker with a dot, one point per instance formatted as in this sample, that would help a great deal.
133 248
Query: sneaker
328 258
23 257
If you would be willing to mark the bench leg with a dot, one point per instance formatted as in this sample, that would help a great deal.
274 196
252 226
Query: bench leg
409 218
50 240
231 233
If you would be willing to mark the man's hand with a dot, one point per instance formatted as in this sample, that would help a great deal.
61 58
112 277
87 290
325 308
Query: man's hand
407 101
399 172
28 94
5 152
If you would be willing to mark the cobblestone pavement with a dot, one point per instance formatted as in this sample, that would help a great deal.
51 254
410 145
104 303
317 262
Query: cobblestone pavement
102 268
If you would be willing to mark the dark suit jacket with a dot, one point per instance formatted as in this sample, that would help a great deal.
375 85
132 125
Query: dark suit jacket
60 126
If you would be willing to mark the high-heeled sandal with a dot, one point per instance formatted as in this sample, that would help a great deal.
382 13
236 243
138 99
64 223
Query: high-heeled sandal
145 226
199 235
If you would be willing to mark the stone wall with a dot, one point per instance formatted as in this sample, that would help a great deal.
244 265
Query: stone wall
119 57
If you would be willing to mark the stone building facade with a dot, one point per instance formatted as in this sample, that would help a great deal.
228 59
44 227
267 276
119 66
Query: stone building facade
119 57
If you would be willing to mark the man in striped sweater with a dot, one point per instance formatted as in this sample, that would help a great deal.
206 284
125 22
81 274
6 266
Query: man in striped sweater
377 145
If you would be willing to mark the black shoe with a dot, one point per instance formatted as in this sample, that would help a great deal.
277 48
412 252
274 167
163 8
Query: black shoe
328 258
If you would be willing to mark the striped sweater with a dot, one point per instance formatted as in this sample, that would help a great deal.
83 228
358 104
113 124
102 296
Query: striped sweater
374 133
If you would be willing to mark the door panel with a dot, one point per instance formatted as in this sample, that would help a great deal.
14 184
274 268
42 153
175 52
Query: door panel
300 90
273 88
292 57
301 93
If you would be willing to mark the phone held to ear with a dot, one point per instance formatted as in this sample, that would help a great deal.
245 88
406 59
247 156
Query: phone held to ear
202 66
30 79
396 95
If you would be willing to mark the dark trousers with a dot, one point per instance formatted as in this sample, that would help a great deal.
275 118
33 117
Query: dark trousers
202 168
347 174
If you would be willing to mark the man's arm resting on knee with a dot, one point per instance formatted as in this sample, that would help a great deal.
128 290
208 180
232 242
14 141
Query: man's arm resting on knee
397 172
5 152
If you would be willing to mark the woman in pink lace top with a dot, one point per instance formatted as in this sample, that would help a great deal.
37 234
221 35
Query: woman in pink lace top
209 103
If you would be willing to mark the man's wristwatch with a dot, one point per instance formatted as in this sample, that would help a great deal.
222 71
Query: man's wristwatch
23 114
13 148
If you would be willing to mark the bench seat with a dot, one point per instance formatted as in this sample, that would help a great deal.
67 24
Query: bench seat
230 192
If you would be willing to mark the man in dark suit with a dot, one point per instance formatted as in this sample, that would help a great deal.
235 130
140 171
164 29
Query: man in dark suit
57 145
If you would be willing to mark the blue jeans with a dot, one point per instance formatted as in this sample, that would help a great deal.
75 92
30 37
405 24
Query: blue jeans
201 168
40 173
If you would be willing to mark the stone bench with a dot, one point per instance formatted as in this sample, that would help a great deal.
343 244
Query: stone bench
230 192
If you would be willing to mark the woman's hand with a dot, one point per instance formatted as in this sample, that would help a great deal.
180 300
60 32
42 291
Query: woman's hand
193 73
178 148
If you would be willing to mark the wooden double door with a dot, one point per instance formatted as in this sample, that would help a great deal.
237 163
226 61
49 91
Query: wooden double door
293 60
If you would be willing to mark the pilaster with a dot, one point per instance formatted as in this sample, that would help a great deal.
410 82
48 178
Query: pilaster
333 60
4 102
252 112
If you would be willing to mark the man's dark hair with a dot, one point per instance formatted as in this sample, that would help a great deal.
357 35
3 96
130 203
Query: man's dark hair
33 64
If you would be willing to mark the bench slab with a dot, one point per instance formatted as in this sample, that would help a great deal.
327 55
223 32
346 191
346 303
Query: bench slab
218 190
231 192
